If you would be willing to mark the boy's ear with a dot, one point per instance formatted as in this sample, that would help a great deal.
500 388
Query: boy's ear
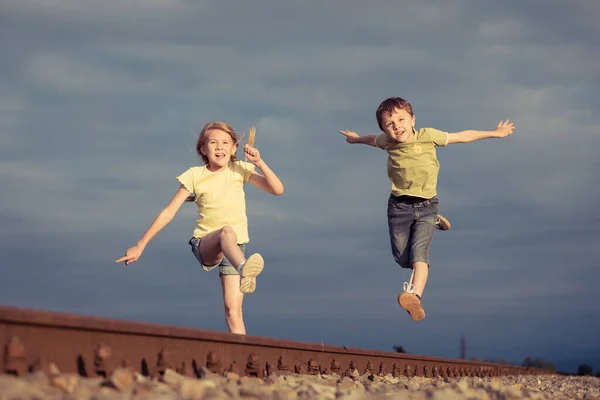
413 119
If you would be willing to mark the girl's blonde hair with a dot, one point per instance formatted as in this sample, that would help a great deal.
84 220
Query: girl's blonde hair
218 125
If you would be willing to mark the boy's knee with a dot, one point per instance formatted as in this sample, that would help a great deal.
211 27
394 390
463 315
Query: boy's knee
420 264
402 259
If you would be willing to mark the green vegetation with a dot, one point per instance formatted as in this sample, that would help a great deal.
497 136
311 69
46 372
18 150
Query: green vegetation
585 370
399 349
538 363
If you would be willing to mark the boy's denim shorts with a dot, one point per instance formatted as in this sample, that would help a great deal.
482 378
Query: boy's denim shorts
411 222
225 267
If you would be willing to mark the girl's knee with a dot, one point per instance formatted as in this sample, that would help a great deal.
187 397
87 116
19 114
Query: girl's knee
233 312
228 232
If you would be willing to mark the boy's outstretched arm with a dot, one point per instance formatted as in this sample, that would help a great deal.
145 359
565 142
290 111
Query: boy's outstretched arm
503 129
352 137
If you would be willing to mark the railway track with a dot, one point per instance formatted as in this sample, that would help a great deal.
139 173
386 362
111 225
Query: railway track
91 347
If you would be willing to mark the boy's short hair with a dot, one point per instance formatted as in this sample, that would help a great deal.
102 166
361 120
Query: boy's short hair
389 105
218 125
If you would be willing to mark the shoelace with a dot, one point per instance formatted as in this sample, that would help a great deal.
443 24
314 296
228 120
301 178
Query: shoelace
409 287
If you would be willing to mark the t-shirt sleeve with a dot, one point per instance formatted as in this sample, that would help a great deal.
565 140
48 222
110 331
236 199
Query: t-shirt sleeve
246 169
382 141
439 138
187 180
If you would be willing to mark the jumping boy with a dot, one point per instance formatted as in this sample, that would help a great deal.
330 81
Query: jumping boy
413 206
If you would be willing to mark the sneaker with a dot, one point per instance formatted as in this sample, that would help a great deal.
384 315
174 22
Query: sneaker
249 271
411 303
442 223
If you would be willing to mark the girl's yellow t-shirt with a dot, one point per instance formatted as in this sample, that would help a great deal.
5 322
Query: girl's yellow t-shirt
220 198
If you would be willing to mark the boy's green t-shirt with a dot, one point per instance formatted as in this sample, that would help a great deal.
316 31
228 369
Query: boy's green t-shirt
413 167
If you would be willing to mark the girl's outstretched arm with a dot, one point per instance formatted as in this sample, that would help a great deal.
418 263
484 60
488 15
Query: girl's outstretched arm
268 181
163 218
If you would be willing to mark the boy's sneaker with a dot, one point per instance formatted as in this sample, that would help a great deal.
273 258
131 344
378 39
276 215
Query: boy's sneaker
411 302
249 271
442 223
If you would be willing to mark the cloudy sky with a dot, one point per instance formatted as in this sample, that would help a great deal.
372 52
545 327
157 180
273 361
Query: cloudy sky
101 104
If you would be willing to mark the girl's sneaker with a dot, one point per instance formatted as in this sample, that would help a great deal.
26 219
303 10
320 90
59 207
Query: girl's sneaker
249 271
411 302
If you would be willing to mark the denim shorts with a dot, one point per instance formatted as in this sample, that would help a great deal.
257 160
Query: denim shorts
411 222
225 267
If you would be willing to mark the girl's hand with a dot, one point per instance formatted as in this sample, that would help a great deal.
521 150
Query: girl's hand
131 255
251 154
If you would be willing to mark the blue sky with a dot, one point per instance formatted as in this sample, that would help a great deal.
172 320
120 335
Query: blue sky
101 104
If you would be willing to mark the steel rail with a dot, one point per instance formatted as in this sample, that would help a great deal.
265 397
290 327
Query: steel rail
92 346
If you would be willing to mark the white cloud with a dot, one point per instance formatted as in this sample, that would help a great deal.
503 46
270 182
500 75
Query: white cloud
10 103
68 76
501 29
257 210
32 176
70 8
12 108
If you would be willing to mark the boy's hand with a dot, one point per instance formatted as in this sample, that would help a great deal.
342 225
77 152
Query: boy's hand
505 128
131 255
251 154
350 136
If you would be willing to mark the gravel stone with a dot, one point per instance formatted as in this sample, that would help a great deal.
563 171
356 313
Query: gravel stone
125 384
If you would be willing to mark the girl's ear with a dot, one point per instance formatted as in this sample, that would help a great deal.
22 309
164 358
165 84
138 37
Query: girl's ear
413 119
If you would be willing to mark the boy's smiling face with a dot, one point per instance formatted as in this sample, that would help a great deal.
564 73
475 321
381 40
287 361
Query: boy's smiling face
398 125
218 148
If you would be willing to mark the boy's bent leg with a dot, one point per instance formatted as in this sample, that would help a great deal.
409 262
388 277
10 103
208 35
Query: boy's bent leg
232 301
442 223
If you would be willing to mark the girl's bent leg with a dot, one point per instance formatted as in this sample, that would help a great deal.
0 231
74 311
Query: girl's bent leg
218 243
232 301
224 242
249 271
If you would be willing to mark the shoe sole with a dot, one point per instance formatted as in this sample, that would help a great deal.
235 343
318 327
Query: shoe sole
443 224
411 303
252 268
